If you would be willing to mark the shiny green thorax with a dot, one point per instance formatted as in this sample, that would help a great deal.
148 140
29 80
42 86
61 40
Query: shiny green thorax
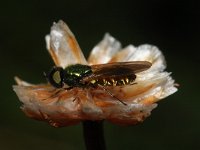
74 73
70 76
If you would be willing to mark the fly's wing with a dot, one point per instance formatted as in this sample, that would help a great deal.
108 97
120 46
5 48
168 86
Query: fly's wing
117 69
63 47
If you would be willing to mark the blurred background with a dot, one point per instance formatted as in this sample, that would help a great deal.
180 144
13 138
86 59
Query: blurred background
172 26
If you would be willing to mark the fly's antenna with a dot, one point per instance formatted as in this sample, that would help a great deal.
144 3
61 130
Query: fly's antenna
107 91
45 74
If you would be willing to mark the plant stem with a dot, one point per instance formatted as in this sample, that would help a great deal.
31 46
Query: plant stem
94 135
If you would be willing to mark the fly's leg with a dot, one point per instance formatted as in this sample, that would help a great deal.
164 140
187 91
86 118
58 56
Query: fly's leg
111 94
57 92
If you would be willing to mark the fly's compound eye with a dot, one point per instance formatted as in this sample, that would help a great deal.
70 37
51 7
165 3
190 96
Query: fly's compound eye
56 77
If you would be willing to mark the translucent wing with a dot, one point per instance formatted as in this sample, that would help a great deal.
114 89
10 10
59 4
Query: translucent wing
117 69
63 47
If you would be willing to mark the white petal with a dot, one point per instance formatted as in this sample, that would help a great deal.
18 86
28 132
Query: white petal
167 88
21 82
124 54
104 51
163 84
149 53
63 46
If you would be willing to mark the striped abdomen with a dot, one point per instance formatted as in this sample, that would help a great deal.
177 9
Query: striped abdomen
114 81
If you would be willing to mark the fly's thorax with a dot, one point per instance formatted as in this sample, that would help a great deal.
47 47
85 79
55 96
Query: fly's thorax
74 73
114 81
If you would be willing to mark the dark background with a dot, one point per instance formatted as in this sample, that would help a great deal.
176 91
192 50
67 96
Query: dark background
171 25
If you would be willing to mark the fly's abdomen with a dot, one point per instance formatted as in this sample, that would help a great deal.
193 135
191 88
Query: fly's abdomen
114 81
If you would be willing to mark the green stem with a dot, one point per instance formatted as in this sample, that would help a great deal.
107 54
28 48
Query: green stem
94 135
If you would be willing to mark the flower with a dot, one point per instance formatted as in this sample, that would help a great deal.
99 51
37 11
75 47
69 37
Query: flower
67 107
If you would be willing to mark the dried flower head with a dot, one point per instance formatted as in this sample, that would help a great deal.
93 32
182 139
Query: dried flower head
63 107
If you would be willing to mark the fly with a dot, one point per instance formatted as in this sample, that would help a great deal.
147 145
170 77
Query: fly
101 75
